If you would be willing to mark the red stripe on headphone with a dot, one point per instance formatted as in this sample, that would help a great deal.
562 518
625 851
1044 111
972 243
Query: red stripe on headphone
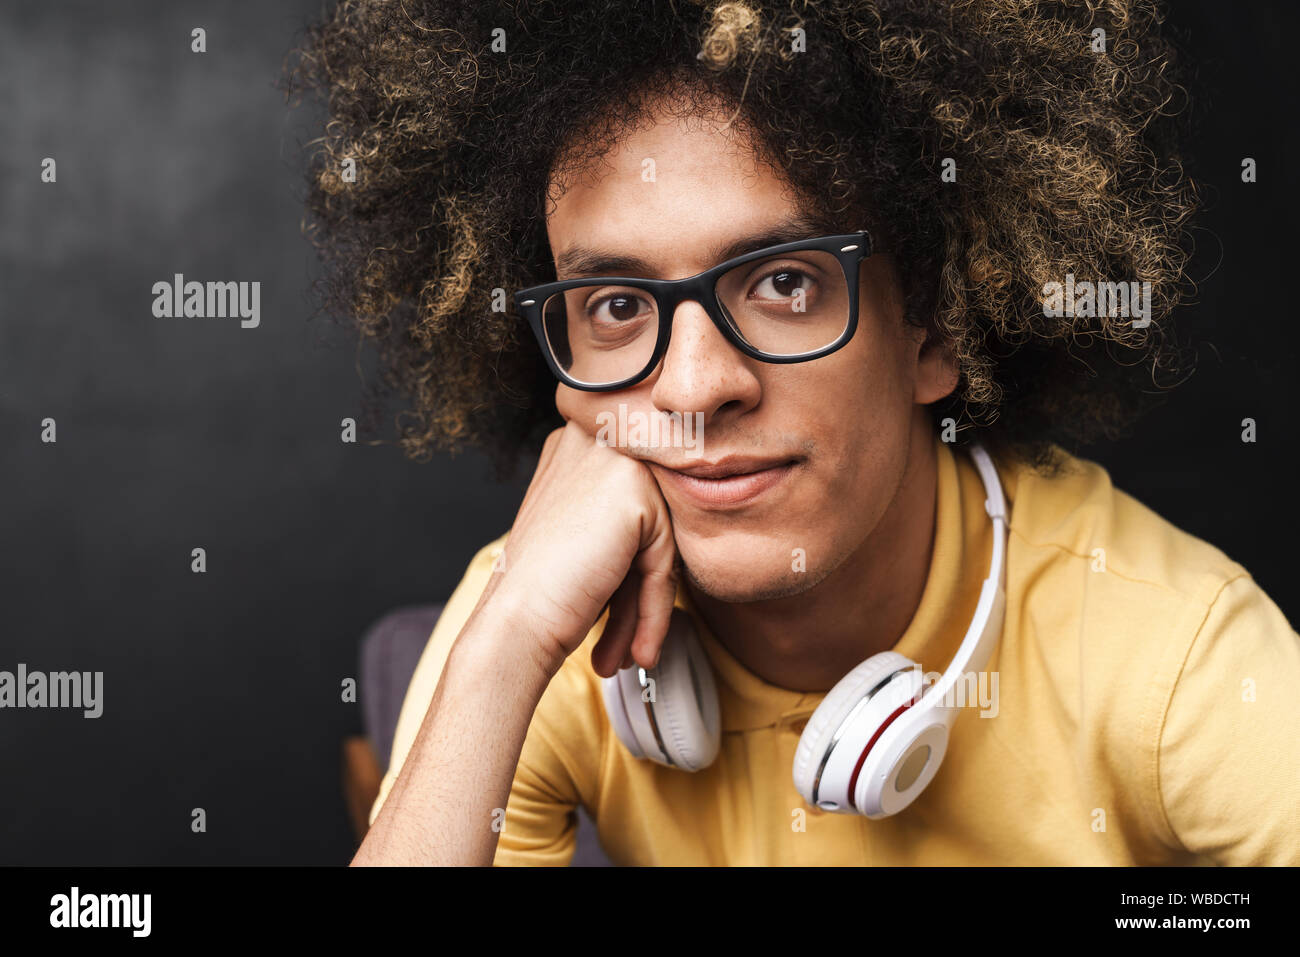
853 781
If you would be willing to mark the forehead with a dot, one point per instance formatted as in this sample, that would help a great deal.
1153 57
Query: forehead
668 193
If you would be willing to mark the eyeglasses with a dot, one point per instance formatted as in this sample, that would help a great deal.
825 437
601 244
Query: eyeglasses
787 303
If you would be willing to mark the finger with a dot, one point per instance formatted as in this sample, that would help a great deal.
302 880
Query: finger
655 603
659 577
613 647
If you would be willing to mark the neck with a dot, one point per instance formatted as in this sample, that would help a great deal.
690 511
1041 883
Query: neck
809 641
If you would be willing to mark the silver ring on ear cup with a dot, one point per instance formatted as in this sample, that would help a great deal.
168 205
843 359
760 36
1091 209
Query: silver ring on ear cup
649 699
814 756
848 721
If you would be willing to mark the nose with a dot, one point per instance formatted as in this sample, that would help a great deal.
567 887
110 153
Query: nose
702 372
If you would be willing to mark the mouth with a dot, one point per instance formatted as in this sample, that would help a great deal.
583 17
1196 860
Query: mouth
730 482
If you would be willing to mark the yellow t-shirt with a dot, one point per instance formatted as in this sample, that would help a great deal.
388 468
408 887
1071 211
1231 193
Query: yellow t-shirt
1148 696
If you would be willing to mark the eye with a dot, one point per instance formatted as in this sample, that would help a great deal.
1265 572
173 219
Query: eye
784 283
616 308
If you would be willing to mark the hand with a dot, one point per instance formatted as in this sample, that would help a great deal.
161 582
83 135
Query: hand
593 529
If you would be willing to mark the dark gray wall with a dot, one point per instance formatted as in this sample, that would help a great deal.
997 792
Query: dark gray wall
222 689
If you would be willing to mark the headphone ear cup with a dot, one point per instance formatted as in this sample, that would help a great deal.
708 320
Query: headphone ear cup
902 763
612 691
682 705
686 697
828 719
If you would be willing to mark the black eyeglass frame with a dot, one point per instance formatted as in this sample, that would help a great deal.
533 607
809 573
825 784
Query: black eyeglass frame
850 249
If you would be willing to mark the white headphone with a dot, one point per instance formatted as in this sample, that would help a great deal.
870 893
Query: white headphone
877 738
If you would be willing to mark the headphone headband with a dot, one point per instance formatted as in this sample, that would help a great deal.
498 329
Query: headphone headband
977 647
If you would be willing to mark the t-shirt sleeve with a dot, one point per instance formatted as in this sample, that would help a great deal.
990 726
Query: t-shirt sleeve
1228 764
540 821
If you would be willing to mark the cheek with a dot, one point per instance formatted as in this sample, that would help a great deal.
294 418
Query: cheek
866 387
567 401
858 409
580 407
586 409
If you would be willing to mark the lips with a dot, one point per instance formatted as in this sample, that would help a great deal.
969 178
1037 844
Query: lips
731 482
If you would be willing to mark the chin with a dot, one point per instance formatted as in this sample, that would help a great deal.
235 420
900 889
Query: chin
740 569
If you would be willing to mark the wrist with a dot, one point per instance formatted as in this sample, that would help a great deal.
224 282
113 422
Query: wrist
503 632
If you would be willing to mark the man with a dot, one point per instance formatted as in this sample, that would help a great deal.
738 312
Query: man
1143 694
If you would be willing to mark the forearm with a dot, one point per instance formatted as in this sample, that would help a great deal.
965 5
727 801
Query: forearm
458 773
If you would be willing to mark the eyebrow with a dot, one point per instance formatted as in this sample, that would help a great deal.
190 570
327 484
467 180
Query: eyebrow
585 261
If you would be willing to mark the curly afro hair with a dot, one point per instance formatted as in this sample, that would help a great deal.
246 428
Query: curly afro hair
459 119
